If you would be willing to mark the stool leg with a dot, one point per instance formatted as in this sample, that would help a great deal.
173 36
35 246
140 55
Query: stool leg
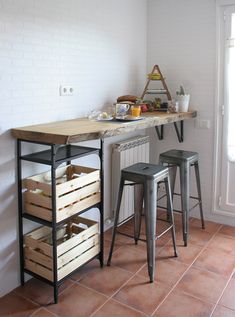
116 219
172 176
170 213
196 167
150 204
138 206
184 185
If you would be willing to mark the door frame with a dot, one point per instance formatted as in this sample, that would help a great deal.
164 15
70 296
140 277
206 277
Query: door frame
221 5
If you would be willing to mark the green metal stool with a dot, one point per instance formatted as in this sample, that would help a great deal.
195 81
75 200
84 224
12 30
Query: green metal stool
184 160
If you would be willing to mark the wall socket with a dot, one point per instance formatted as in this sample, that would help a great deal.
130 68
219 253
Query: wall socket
203 124
66 90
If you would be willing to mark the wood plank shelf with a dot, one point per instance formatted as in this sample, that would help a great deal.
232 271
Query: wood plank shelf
83 129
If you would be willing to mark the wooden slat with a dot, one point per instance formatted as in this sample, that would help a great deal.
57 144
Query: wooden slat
77 251
77 207
76 263
78 195
35 244
74 241
64 213
86 221
38 199
39 212
78 182
38 257
39 233
31 184
38 269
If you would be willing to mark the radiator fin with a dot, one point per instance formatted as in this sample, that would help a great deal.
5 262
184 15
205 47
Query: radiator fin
124 154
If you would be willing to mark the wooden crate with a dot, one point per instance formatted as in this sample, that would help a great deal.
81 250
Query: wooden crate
77 243
77 188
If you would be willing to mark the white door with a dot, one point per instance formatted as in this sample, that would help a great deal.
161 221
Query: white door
226 187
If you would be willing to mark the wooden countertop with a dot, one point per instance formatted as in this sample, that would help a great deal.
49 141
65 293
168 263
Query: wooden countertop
82 129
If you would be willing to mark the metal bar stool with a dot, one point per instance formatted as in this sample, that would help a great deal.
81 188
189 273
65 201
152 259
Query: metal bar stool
147 176
184 160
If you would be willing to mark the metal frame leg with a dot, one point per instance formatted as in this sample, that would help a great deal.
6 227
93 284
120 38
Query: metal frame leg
172 176
54 235
170 212
150 202
101 209
197 174
20 212
116 219
138 206
184 185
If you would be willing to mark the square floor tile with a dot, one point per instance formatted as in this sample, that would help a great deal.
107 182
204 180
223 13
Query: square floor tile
87 268
142 295
210 226
179 304
227 230
198 237
106 280
225 243
221 311
129 259
205 285
167 271
77 301
40 292
14 305
216 261
115 309
185 254
228 295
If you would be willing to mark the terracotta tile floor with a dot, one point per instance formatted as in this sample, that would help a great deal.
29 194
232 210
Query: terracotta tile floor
200 282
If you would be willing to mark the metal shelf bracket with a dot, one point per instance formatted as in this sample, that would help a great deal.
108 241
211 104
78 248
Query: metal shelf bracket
160 133
180 133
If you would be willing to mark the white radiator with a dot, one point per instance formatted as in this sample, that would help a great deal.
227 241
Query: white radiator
124 154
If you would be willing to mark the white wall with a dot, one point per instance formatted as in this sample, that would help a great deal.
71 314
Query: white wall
182 40
97 46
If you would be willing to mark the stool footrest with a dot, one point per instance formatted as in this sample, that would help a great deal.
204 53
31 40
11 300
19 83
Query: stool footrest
144 240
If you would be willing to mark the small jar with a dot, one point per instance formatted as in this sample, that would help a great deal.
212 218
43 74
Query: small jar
135 110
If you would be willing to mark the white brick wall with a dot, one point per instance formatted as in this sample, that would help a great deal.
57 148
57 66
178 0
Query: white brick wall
97 46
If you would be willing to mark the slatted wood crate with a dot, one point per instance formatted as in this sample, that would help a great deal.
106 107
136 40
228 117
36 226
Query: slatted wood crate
77 243
77 188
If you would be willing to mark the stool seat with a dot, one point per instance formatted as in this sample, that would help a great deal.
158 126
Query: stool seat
184 160
143 171
145 178
178 156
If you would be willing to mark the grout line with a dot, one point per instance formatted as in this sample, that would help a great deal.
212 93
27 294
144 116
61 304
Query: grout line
123 285
216 304
24 297
41 305
190 266
36 311
139 311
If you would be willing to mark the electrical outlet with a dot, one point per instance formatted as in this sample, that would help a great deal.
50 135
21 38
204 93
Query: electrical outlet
66 90
203 124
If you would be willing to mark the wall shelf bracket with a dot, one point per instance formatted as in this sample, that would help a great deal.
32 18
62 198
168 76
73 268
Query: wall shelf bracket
160 133
180 132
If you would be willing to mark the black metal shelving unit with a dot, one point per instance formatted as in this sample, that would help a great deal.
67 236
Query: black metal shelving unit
53 157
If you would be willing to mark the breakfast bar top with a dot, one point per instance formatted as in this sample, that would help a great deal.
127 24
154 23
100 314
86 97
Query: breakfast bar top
82 129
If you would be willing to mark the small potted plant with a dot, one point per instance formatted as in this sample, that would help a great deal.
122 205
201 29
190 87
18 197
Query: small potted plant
183 99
